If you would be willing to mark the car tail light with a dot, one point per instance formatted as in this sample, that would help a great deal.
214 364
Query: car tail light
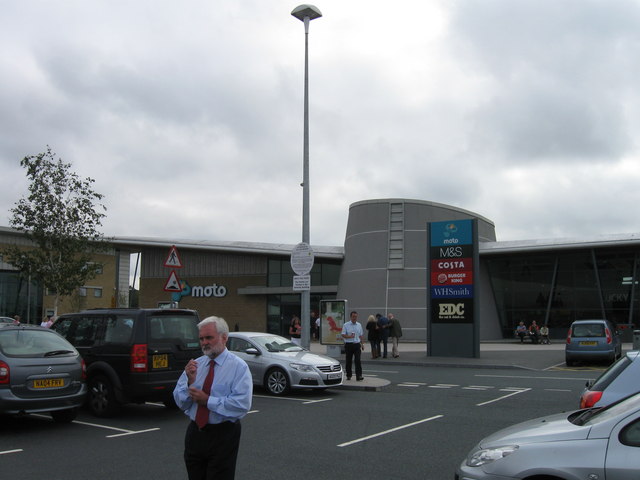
608 334
4 373
84 370
569 336
139 361
589 399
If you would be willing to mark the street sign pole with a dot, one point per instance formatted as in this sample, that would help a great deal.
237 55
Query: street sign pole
302 263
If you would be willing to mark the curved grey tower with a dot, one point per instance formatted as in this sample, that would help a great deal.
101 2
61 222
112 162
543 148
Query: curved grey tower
385 258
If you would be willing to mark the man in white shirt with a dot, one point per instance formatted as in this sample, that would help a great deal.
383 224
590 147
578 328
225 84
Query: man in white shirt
352 334
215 392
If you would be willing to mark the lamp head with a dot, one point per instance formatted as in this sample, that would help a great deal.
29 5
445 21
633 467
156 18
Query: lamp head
305 10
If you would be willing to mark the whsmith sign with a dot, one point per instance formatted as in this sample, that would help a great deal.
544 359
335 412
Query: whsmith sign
453 259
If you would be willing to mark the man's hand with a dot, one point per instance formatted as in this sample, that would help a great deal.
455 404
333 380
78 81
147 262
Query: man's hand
198 396
191 369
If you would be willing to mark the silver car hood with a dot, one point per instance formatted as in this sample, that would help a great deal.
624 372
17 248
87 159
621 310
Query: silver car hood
303 357
552 428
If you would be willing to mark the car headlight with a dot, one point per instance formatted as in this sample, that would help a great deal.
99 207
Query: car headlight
302 367
488 455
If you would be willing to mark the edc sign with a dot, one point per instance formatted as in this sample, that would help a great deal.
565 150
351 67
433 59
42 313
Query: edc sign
451 271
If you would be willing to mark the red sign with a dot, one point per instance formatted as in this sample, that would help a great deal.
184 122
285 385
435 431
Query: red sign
173 259
173 283
448 264
452 278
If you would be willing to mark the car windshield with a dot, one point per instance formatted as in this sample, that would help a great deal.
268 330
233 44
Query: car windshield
274 343
596 415
588 330
33 343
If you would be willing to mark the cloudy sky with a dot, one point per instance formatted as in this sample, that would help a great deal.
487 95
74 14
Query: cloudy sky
189 115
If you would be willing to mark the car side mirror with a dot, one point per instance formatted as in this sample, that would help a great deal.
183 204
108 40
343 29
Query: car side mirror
252 351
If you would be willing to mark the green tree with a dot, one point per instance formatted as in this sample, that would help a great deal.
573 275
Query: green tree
60 216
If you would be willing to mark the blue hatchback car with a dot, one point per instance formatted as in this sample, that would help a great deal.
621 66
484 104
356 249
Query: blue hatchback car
592 340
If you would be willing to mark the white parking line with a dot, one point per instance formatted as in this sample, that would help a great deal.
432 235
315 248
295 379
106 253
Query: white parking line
443 385
503 397
293 399
131 432
528 377
369 437
17 450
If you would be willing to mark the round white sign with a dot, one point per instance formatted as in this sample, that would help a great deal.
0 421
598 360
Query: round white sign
302 259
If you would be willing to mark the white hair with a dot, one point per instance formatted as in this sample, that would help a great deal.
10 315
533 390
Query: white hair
221 325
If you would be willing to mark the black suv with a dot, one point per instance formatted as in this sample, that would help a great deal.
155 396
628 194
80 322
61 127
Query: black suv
132 355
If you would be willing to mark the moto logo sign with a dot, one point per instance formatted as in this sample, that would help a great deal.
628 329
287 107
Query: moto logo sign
451 309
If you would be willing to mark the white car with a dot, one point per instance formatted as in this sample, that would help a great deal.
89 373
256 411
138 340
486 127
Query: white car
597 443
279 365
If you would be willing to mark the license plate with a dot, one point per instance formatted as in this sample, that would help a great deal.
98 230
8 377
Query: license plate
160 361
48 383
333 376
589 344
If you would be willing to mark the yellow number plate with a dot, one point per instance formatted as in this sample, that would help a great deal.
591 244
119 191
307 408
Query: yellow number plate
160 361
48 383
589 344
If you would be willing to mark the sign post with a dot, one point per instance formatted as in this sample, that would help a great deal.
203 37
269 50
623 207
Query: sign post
173 282
301 263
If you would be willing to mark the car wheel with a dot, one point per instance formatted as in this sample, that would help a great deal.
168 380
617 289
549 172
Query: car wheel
569 362
64 416
102 399
276 382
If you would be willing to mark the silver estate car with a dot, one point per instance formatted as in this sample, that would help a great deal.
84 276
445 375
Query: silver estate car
595 443
40 372
279 365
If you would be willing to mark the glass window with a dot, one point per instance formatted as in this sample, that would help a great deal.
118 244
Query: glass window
630 435
118 330
97 292
82 291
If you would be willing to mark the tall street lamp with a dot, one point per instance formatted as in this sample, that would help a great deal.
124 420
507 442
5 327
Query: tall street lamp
306 13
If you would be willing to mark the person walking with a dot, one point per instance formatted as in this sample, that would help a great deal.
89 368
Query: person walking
215 392
372 336
395 332
383 332
352 334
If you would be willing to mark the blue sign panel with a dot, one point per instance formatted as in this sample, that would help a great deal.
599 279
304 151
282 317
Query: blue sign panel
456 232
460 291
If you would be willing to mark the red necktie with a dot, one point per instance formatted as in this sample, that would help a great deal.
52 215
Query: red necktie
202 414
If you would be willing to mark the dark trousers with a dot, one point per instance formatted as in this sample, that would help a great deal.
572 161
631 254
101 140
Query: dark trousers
211 453
353 350
384 338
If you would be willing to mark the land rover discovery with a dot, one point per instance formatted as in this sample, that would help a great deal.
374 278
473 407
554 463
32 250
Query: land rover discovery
132 355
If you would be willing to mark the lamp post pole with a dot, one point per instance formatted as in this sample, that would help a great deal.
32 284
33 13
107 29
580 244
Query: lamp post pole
305 13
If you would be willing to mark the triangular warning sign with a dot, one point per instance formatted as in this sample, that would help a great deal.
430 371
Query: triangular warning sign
173 284
173 259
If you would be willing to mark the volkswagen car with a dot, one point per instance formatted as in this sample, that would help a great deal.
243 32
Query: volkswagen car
279 365
40 372
594 443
